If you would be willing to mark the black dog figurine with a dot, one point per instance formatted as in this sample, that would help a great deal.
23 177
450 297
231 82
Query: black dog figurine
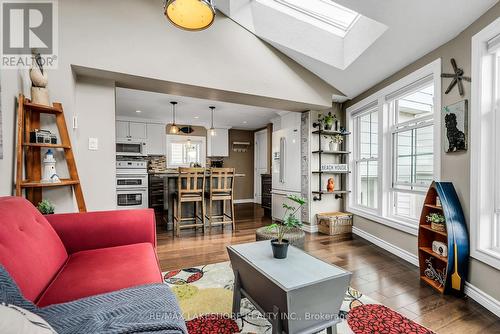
456 138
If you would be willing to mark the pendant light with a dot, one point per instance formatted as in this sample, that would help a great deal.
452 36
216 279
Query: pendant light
212 129
191 15
174 129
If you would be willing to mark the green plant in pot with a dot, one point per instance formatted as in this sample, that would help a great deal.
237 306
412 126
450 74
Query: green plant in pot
290 221
327 120
437 221
46 207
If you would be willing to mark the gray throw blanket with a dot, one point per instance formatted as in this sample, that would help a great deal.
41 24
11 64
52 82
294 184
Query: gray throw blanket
144 309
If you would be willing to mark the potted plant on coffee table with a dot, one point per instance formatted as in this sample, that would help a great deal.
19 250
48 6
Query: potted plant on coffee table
290 221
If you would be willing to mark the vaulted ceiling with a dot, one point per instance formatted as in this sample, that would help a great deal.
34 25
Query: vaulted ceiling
387 36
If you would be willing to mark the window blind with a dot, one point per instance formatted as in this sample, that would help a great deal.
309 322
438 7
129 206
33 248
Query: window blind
414 86
493 44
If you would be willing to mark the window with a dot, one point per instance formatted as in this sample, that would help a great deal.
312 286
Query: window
325 11
366 164
485 146
182 151
413 150
396 145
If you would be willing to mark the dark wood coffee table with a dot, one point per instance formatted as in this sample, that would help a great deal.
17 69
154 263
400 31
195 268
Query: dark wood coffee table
299 294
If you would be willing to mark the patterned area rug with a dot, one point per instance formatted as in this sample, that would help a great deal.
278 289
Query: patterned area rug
205 295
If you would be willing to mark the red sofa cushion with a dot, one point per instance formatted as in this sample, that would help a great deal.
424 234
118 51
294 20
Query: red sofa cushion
30 249
93 272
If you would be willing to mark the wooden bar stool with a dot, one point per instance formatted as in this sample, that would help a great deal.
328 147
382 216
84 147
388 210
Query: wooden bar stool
190 189
221 189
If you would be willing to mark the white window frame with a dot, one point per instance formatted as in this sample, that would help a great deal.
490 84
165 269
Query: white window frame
370 108
485 153
182 139
379 99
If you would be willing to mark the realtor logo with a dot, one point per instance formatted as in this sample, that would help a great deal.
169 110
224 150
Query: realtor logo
28 27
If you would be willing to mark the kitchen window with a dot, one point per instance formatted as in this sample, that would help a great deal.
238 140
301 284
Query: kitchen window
184 151
396 145
485 146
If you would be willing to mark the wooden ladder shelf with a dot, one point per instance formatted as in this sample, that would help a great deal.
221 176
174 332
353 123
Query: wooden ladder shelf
28 119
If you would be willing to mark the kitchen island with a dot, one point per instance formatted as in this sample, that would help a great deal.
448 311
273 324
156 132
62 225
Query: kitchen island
170 187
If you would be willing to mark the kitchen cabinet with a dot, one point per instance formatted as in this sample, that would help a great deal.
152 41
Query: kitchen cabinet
157 139
218 145
122 129
135 131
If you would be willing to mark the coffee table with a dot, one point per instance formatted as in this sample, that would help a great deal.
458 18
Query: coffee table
299 294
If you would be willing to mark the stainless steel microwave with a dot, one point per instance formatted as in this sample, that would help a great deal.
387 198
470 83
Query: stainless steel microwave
130 148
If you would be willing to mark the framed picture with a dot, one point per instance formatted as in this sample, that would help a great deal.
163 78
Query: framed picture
454 122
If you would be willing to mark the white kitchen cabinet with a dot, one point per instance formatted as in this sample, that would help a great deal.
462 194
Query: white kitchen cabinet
156 142
133 131
218 145
122 129
137 130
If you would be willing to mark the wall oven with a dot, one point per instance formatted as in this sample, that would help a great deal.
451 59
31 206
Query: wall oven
131 183
132 198
130 148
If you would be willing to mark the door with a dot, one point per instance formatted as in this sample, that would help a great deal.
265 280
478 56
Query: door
122 129
137 130
260 162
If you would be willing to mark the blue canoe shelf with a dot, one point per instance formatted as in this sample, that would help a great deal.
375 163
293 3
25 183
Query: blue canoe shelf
453 265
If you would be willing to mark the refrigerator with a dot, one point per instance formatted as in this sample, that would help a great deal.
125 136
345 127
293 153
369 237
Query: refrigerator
285 168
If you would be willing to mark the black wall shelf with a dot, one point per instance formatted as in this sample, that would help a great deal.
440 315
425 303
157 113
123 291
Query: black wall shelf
318 195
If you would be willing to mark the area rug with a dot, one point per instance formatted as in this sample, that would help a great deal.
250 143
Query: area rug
205 295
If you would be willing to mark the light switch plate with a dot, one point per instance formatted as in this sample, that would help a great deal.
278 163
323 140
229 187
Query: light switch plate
93 144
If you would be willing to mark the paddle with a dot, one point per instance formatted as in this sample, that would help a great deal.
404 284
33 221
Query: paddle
456 280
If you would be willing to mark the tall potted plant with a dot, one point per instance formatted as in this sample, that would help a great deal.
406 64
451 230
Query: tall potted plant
280 245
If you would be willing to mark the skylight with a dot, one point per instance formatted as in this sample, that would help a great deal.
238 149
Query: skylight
325 11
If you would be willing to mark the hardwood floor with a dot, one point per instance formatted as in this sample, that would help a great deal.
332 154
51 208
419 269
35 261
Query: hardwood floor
376 272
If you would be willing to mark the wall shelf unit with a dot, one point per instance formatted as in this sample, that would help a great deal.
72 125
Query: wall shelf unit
342 154
454 265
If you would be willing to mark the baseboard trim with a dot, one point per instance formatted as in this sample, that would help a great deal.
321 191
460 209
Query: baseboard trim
481 297
245 200
310 228
404 254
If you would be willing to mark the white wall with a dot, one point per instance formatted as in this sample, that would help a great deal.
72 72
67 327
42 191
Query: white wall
95 110
133 38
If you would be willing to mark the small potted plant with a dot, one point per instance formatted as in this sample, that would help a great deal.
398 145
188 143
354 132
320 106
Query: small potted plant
280 245
46 207
337 140
437 221
327 120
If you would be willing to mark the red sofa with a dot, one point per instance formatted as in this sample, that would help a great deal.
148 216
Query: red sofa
63 257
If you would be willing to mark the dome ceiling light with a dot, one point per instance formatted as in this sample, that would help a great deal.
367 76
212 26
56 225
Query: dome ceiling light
191 15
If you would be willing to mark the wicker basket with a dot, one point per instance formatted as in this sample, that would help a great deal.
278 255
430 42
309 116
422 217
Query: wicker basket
441 227
334 223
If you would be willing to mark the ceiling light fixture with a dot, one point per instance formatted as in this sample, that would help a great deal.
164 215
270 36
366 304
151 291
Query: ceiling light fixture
137 111
174 129
191 15
212 128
